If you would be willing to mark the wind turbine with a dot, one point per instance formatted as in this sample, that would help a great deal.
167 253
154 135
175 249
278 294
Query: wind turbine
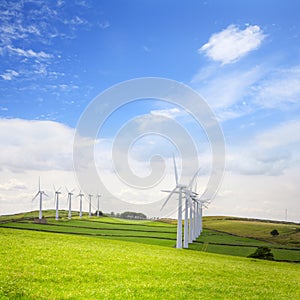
70 194
179 188
80 204
40 193
98 204
90 205
57 193
189 225
200 203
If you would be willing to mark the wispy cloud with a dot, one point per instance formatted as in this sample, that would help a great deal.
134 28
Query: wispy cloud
29 53
234 93
280 89
168 113
104 25
232 43
12 184
9 74
270 152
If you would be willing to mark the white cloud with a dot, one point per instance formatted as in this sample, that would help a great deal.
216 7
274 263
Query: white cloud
254 196
104 25
9 74
12 184
279 90
271 152
228 92
29 53
168 113
235 93
285 134
232 43
35 145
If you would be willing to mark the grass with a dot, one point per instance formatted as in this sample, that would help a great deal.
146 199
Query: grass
289 233
41 265
229 236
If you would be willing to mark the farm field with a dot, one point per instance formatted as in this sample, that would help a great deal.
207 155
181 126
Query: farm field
43 265
289 233
233 242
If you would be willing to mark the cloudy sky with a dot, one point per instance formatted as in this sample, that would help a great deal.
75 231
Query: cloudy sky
242 57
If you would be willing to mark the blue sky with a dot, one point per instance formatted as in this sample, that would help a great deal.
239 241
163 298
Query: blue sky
241 56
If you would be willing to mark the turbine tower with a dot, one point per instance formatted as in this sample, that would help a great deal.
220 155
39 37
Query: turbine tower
56 196
80 203
98 204
179 188
40 193
90 205
70 194
80 195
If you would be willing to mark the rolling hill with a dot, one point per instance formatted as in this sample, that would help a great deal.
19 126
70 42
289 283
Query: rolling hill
106 258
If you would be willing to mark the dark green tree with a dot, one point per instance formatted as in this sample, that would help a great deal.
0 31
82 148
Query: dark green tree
262 253
274 232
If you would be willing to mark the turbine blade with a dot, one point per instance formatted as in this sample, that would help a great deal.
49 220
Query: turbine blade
45 194
193 178
39 183
168 198
36 195
175 170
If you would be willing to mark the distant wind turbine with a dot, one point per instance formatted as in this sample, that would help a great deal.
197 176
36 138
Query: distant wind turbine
56 196
40 193
90 205
80 203
98 204
70 194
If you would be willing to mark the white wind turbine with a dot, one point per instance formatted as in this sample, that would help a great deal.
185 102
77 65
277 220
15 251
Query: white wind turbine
179 188
98 204
80 195
90 205
188 222
70 194
40 193
56 196
199 203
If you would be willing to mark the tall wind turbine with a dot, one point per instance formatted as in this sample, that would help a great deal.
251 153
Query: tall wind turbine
80 195
179 188
90 205
40 193
98 204
188 222
57 193
70 194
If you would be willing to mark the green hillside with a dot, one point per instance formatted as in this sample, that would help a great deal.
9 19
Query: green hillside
223 235
289 233
42 265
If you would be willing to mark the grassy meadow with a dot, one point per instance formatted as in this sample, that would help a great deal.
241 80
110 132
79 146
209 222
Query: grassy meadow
109 258
41 265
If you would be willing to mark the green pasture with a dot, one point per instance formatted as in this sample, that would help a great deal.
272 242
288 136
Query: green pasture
233 242
289 233
42 265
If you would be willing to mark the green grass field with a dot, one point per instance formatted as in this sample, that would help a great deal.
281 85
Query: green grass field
109 258
221 235
289 233
41 265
